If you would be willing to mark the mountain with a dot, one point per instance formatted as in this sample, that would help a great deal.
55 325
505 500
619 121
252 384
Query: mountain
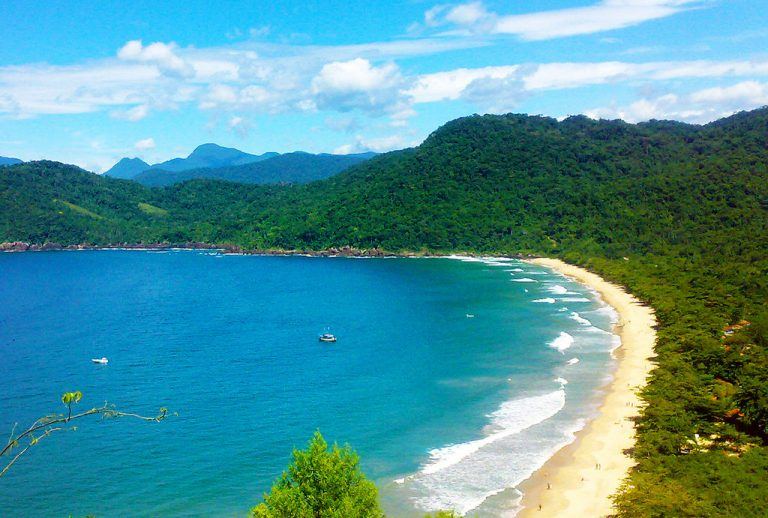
210 156
676 213
4 160
296 167
204 156
127 168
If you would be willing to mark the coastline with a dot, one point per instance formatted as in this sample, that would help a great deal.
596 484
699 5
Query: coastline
568 482
580 478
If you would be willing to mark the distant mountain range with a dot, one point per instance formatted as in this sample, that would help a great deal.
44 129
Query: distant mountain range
296 167
211 156
221 163
204 156
4 160
128 168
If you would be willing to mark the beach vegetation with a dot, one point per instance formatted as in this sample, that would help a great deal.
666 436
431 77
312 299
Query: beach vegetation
321 482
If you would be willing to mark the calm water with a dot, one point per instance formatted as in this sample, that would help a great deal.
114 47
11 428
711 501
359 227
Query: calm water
445 409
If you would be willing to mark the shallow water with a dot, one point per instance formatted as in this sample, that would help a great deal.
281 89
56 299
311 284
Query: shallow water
450 380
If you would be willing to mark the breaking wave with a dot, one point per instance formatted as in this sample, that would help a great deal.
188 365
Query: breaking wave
563 342
461 476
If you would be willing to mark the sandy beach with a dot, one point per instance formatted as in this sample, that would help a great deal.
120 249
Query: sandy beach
580 479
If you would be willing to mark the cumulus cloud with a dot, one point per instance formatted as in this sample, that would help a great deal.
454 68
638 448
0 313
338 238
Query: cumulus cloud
145 144
347 85
449 85
496 94
750 93
699 106
601 16
246 76
378 144
163 55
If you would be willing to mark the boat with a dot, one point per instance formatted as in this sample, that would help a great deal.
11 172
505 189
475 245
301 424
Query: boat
103 360
327 337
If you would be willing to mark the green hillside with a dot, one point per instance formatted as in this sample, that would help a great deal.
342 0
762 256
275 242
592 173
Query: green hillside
677 213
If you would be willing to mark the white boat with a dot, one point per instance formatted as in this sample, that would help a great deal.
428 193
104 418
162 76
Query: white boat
103 360
327 337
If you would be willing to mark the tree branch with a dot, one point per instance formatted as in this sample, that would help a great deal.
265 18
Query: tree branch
47 424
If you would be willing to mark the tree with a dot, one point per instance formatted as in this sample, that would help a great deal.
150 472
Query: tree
321 483
51 423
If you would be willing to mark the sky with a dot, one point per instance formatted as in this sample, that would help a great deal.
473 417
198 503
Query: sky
92 81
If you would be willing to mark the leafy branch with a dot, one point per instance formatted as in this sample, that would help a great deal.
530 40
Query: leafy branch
51 423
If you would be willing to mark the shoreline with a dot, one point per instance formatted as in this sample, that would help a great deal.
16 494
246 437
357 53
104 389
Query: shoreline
226 248
568 483
581 477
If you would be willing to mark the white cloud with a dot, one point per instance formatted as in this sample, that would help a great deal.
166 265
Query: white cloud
259 32
467 14
357 84
700 106
161 76
163 55
356 75
145 144
449 85
496 94
749 92
601 16
379 145
571 75
239 126
134 114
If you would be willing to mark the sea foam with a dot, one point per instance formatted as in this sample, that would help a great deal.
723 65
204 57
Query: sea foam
523 279
563 342
580 319
461 476
547 300
557 289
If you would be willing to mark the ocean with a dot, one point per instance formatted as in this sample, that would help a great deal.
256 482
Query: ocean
453 378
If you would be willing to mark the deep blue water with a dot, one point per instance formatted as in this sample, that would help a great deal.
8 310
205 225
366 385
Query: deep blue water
230 344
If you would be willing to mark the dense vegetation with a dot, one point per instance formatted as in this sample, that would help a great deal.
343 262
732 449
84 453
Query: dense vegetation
677 213
321 483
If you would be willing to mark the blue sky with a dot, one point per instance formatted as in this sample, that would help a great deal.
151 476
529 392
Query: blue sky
89 82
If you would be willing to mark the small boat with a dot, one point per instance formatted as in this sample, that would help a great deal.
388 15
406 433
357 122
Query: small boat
327 337
103 360
470 315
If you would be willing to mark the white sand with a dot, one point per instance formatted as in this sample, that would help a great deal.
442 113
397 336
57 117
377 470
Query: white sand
580 479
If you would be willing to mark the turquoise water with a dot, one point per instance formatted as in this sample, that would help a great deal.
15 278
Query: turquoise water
446 378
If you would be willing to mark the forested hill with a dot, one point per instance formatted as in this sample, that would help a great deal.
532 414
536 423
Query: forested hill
678 213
